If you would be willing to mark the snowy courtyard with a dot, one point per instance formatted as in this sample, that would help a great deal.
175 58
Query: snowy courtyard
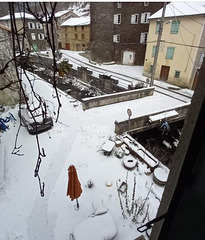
75 139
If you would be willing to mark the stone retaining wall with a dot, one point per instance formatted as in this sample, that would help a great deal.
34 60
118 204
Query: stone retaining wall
142 123
116 97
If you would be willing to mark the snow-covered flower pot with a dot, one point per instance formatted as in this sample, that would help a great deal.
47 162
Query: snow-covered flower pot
129 163
160 175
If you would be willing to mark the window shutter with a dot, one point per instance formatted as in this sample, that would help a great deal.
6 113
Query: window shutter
153 51
142 37
142 17
132 19
170 53
115 19
175 26
157 27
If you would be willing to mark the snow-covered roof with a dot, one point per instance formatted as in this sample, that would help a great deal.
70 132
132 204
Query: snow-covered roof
176 9
81 21
60 13
18 15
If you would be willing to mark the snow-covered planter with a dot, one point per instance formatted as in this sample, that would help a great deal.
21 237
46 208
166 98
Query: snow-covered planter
160 175
129 163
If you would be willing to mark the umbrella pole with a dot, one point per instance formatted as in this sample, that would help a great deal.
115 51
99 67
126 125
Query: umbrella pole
77 203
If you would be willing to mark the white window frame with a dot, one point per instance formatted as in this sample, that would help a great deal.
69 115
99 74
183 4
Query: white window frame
117 18
133 18
32 24
116 38
39 26
119 5
144 17
39 36
201 58
33 36
143 37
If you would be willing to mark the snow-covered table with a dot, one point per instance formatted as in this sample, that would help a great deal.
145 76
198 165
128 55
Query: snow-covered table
97 227
108 146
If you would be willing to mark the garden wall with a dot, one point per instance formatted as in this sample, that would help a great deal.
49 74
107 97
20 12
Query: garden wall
142 123
116 97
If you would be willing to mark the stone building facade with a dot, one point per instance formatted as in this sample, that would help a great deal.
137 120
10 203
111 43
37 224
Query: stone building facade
119 31
35 31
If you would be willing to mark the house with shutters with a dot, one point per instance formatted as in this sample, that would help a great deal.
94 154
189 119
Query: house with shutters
182 45
75 34
119 31
61 17
34 30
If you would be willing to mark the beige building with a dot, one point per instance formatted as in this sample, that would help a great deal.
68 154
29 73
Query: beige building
61 17
182 45
75 34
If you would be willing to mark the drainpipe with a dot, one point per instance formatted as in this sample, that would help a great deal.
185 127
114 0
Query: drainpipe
157 46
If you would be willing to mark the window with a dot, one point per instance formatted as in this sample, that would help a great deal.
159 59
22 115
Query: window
146 4
143 37
157 27
153 51
76 36
31 25
66 36
170 53
151 68
117 18
144 17
41 36
39 26
82 27
35 47
83 37
202 58
116 38
75 27
175 26
177 74
119 4
33 36
134 18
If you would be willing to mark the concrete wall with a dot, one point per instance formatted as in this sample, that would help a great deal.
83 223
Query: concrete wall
117 97
142 123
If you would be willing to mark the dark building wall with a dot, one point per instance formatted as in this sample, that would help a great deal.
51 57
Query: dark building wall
103 29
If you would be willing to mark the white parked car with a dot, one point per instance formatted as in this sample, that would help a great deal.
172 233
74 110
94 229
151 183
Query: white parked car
38 123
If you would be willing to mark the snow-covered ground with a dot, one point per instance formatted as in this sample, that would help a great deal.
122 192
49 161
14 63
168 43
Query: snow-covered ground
75 139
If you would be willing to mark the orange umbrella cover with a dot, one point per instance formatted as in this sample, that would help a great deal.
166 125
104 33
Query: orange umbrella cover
74 187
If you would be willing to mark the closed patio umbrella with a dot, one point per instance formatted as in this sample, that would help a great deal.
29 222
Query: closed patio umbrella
74 189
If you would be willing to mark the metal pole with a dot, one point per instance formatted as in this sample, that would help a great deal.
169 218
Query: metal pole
129 125
157 46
